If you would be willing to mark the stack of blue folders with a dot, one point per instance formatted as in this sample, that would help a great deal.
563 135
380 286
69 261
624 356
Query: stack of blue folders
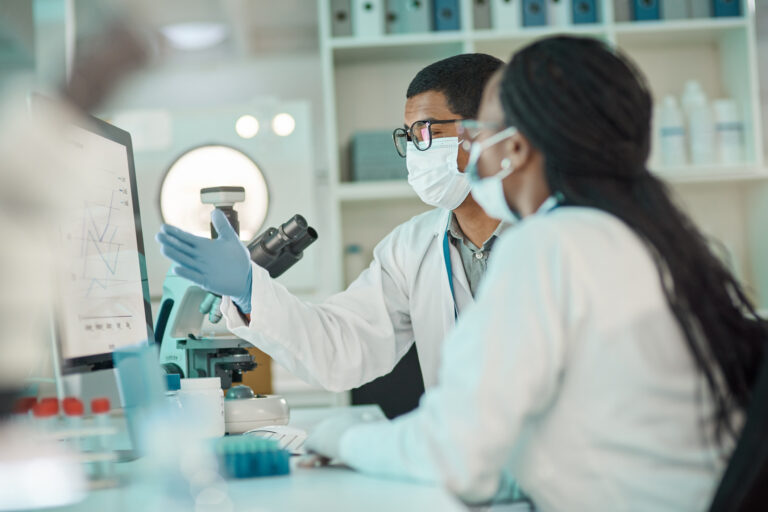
649 10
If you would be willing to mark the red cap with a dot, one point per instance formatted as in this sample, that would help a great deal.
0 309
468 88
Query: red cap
52 401
46 408
24 405
100 405
73 406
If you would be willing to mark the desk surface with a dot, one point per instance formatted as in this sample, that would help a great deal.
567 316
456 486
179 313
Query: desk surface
317 489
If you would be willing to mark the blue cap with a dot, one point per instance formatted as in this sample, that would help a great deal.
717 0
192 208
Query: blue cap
173 381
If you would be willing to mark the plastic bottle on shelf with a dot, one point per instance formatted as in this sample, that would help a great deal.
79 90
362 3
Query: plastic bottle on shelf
73 412
701 128
671 133
46 415
729 131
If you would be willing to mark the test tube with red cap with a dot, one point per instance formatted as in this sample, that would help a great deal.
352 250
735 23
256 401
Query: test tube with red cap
46 414
73 411
100 411
22 409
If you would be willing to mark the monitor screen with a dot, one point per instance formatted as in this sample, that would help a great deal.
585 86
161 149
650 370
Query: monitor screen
104 295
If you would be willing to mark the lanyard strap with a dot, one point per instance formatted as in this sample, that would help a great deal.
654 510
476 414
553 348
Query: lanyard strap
449 271
550 204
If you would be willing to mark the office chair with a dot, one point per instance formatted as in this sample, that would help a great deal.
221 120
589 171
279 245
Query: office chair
744 486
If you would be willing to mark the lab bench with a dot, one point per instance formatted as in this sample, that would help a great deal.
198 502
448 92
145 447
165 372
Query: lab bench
331 488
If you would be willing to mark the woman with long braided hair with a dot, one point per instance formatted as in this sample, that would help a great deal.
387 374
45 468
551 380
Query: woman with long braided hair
601 163
610 356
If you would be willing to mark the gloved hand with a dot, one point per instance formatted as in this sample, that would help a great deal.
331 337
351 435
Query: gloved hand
211 306
325 438
221 266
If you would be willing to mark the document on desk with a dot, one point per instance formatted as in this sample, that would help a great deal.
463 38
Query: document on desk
288 438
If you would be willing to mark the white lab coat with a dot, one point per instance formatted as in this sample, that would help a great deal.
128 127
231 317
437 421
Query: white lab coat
569 373
361 333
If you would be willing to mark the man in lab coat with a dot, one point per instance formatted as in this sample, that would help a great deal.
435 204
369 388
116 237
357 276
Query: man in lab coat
423 274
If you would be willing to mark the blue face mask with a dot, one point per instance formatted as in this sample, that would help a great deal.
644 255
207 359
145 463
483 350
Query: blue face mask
489 192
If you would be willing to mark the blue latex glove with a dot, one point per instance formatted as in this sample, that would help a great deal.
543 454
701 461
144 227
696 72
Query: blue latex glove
221 266
211 306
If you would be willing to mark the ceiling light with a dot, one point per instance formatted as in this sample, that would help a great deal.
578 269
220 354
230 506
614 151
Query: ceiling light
247 126
283 124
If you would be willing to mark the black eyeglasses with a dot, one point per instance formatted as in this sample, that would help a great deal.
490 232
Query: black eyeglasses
420 133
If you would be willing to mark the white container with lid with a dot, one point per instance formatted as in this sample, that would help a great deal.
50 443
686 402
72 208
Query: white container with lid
203 403
729 130
671 133
701 128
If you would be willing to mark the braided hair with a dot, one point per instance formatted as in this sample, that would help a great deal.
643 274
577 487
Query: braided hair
587 109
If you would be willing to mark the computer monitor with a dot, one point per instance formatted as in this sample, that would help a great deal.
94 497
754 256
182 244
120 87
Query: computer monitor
104 296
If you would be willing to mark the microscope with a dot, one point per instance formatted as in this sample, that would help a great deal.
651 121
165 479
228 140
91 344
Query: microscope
193 341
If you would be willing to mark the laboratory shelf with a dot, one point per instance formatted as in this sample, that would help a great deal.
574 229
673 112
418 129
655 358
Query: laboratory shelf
364 80
386 40
711 174
396 47
696 31
375 190
530 33
400 189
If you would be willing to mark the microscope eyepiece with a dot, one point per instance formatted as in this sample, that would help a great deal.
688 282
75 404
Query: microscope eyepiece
295 227
278 249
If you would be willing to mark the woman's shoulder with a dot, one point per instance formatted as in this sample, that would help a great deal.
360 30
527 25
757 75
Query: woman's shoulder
561 226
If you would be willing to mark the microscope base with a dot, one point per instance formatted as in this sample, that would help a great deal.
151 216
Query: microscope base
243 414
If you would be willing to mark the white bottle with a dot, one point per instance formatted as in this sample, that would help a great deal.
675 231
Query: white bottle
701 129
729 132
671 133
203 403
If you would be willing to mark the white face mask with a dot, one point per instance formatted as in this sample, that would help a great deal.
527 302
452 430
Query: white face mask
434 173
489 192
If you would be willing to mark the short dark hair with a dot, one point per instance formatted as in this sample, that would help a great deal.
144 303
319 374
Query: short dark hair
460 78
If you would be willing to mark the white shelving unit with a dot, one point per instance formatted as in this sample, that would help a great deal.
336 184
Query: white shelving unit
365 79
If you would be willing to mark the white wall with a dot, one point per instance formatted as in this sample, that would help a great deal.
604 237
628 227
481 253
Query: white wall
212 83
188 89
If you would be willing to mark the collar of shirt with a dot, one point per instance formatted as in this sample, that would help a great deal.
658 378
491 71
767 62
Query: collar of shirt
473 259
550 203
456 233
